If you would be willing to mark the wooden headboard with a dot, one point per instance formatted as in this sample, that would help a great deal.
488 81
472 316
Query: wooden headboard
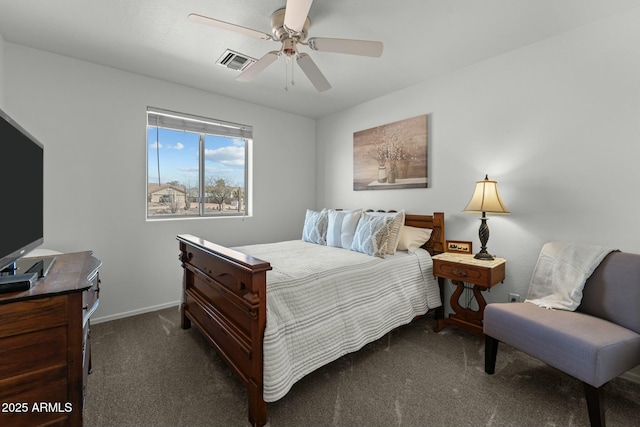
435 245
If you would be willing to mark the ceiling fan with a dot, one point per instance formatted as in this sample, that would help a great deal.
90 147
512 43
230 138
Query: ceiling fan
290 26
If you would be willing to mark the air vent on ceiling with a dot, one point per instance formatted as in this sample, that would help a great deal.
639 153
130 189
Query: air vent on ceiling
234 60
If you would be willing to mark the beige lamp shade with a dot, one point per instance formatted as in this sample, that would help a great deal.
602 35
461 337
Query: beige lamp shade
486 199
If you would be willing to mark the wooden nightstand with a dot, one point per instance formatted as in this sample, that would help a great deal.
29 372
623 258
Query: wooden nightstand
461 269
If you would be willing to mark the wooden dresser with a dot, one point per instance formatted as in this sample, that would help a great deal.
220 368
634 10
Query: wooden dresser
45 352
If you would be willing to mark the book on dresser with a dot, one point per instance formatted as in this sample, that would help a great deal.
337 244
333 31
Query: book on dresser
45 349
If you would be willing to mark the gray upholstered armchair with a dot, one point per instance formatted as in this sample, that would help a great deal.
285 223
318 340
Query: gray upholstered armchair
596 343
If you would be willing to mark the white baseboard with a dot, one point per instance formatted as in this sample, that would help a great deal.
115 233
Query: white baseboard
135 312
632 375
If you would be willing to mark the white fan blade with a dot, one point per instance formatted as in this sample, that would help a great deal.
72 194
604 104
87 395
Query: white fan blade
313 73
296 14
348 46
251 72
227 26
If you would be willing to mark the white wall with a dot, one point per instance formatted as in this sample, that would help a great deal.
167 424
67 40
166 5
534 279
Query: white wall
556 123
91 120
2 44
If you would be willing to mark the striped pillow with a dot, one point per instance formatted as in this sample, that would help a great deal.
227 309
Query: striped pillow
341 228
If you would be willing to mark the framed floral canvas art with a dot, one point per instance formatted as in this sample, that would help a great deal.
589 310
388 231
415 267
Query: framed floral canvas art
391 156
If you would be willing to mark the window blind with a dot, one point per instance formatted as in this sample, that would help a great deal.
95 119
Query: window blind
184 122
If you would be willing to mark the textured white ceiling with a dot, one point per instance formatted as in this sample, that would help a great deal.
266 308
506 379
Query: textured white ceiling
422 38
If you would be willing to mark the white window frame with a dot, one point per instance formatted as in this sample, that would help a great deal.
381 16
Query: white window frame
202 126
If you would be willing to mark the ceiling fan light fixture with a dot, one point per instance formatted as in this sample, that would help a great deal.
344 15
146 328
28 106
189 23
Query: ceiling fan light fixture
289 47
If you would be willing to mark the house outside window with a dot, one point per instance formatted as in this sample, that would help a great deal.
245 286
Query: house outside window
196 166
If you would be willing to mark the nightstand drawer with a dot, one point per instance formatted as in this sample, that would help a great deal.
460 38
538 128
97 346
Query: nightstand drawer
461 272
476 274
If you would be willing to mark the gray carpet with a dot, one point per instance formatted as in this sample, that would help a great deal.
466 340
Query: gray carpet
149 372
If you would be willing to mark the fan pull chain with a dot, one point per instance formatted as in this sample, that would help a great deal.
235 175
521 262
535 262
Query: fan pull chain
286 74
292 68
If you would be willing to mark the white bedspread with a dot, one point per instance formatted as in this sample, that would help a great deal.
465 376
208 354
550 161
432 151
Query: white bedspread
324 302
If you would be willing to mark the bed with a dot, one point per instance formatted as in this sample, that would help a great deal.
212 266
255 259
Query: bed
312 315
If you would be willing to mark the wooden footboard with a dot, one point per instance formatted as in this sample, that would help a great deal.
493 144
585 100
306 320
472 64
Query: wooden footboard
224 295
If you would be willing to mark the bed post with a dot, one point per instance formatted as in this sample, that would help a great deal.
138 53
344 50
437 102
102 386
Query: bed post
437 235
185 323
438 247
258 299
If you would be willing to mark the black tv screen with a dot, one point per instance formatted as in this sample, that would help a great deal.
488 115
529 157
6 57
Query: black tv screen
22 181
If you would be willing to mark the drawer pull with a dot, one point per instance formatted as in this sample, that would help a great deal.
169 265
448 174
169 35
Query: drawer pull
460 272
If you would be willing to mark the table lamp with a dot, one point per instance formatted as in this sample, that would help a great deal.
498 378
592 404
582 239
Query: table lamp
485 200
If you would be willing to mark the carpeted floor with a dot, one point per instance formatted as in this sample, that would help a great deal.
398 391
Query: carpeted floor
149 372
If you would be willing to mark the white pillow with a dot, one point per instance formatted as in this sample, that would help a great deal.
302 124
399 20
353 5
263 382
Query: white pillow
341 228
372 235
413 237
394 228
315 227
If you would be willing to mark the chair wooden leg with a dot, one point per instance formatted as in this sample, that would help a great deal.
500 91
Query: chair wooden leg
490 354
595 404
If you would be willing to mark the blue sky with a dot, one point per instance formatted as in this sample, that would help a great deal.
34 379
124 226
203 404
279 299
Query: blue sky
178 151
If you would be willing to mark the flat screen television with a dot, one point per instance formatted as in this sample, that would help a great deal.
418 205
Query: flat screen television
22 180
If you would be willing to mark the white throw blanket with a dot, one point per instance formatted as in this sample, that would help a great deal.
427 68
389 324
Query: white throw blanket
561 272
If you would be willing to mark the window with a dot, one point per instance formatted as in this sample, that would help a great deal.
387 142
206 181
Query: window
196 167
